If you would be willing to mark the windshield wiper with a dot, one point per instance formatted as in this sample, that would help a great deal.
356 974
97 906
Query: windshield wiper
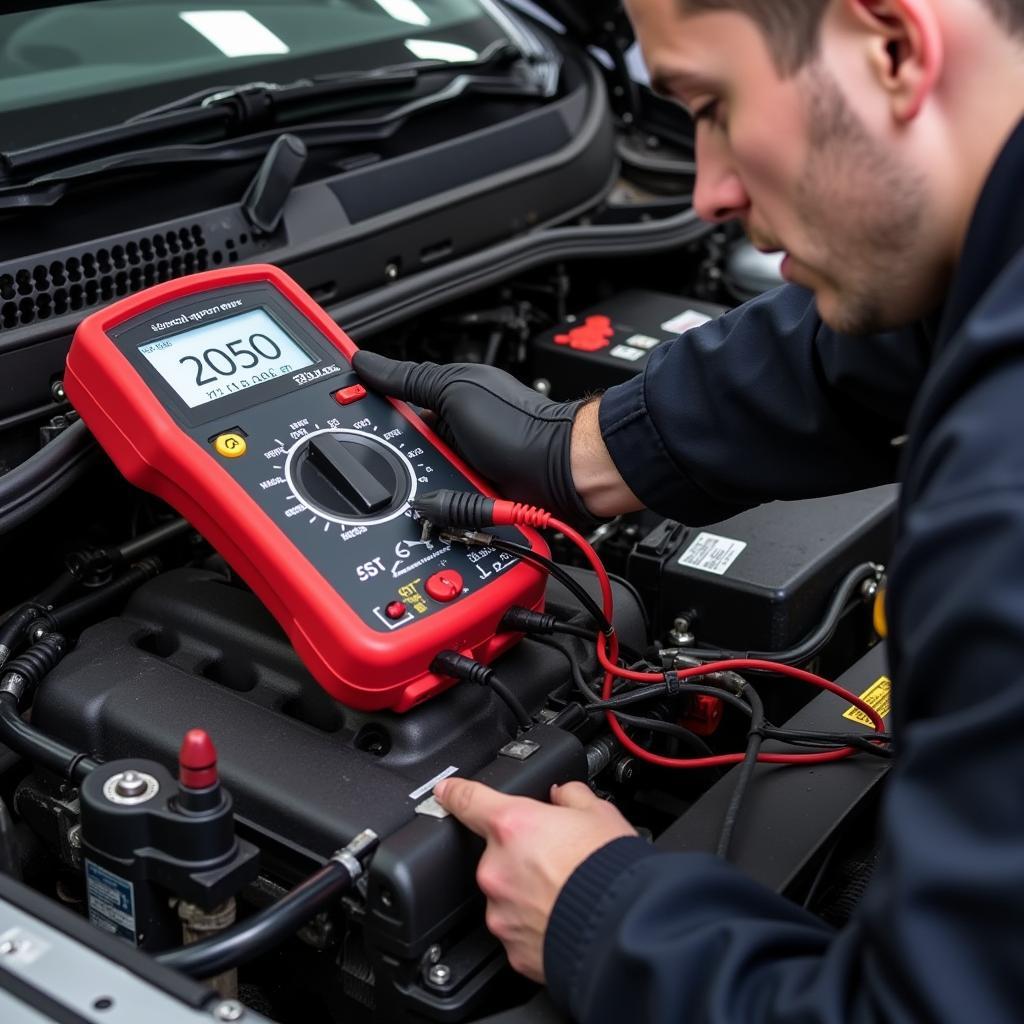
48 189
233 112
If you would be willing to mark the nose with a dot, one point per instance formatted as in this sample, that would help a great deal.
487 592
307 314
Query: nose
718 193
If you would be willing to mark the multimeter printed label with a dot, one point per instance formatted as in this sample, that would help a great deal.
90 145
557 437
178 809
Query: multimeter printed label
111 901
711 553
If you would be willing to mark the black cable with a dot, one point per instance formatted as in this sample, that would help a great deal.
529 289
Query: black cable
13 629
524 620
43 477
37 746
657 690
755 737
512 702
70 616
570 629
810 645
458 666
697 747
130 550
869 743
263 931
574 666
560 574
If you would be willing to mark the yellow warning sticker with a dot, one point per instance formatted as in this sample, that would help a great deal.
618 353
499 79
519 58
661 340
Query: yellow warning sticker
876 696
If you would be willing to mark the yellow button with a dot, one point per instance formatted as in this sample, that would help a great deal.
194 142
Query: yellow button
231 446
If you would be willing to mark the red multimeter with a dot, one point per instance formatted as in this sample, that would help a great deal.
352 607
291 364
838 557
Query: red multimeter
230 394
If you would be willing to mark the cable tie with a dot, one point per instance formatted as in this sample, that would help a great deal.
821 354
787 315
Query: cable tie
673 684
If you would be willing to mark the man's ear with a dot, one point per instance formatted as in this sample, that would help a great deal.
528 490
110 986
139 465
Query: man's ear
905 50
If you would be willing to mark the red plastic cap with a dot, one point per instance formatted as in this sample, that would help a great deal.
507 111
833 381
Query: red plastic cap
704 715
197 760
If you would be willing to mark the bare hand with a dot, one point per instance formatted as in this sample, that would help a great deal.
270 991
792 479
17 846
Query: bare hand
532 849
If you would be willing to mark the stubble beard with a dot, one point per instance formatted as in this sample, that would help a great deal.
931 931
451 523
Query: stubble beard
862 209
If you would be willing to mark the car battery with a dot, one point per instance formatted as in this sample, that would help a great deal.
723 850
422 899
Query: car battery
763 579
612 340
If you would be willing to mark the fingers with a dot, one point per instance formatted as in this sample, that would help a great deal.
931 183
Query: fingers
473 803
574 794
419 383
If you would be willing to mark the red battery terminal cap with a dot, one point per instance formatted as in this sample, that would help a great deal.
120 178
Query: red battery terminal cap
197 760
704 715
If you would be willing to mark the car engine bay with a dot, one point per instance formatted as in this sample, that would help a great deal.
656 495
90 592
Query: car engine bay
126 632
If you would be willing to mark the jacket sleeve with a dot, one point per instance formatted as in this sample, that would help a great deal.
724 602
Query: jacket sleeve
643 935
764 403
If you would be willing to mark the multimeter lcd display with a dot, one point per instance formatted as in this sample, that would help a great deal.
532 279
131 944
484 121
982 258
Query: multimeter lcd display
225 357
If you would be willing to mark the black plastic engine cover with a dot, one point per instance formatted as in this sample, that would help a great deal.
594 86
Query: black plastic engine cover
192 650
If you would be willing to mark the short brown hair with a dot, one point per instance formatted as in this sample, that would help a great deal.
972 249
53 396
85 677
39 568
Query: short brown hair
792 26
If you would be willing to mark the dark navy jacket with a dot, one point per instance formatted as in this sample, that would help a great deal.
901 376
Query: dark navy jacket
769 403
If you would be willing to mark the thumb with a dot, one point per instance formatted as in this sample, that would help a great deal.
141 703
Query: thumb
573 794
410 382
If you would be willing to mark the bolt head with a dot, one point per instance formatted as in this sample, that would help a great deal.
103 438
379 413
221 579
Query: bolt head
439 974
229 1010
130 784
57 391
9 946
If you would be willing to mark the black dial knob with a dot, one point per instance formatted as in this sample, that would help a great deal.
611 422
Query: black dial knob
350 476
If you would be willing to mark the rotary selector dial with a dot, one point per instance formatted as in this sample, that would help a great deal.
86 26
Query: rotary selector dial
350 477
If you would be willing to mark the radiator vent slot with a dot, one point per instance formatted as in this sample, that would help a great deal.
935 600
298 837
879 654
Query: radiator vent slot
30 294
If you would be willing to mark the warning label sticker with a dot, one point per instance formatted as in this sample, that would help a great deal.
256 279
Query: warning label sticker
711 553
111 901
876 696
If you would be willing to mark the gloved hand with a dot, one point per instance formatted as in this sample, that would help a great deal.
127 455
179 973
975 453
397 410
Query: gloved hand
508 432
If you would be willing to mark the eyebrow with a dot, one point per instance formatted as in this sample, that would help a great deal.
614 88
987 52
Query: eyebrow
665 82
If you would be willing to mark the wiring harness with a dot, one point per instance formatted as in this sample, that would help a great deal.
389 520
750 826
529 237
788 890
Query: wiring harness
461 518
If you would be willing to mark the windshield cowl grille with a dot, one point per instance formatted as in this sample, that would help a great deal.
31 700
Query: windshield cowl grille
54 285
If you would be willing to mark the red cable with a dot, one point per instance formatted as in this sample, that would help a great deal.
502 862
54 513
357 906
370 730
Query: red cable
609 658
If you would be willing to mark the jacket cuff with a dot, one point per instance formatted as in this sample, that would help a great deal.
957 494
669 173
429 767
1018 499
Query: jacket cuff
580 906
639 454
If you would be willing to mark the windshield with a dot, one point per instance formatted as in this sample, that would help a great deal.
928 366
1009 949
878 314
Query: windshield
81 66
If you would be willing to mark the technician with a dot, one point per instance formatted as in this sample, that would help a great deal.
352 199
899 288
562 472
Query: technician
880 144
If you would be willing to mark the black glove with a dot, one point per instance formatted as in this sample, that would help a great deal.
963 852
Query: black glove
512 435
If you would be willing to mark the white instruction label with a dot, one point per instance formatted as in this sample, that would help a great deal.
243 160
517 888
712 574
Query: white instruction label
625 352
711 553
431 783
685 321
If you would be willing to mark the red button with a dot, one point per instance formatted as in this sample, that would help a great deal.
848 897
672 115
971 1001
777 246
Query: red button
395 610
346 396
445 585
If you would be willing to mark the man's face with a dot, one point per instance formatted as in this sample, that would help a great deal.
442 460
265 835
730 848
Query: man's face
796 163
